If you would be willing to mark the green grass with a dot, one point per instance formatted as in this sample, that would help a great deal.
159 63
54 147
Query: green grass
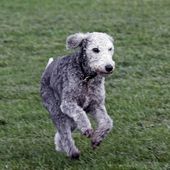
138 93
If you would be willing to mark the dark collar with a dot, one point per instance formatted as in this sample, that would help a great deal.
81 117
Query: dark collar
88 74
87 78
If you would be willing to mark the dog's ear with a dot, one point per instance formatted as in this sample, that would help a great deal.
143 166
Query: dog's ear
75 40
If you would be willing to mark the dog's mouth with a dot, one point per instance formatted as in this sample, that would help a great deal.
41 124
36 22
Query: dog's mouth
104 73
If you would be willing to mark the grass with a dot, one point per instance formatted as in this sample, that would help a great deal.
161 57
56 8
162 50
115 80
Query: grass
138 93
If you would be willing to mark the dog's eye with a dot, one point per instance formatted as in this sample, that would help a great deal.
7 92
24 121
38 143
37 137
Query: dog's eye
96 50
110 49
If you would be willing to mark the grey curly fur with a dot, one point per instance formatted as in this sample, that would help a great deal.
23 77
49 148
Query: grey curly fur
70 88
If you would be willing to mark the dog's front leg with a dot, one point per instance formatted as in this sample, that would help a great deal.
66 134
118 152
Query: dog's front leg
75 112
104 122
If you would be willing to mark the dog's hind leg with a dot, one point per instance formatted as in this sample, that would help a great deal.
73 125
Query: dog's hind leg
64 124
50 101
57 142
63 138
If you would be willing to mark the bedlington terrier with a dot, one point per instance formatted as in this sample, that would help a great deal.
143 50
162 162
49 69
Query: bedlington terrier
73 85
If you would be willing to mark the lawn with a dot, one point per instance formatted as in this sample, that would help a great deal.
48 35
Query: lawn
138 93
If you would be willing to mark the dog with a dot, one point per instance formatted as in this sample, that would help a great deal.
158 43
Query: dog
73 85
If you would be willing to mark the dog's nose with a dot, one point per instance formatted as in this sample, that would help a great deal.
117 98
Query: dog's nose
109 68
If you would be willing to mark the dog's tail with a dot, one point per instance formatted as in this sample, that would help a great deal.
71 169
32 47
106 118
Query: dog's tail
49 62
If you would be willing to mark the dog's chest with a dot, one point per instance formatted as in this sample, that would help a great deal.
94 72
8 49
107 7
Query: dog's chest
87 95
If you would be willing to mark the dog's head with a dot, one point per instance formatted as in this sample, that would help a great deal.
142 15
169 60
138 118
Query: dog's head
98 48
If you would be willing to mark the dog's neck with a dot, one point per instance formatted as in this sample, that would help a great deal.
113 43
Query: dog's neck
88 74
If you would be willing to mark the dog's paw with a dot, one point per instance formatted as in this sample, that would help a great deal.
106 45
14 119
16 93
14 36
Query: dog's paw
96 139
95 143
75 155
88 133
